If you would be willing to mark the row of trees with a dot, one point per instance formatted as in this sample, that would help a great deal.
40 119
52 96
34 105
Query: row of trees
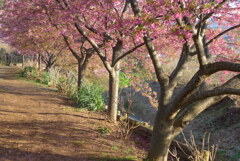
114 29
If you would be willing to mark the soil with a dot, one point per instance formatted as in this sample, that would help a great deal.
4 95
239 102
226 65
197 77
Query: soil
39 124
222 124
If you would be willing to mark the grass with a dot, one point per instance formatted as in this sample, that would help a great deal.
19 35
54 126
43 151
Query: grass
103 130
115 148
236 156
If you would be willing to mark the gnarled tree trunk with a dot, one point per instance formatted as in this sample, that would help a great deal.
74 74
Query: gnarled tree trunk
163 134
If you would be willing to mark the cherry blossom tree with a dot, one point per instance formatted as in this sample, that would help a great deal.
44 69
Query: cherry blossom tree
21 32
202 29
199 27
43 36
104 23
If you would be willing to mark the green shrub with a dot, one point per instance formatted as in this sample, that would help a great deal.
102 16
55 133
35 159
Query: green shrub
28 72
103 130
22 74
66 85
34 73
38 80
90 96
46 78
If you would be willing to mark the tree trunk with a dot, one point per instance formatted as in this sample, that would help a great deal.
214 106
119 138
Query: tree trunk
48 66
82 66
23 61
161 138
80 75
81 71
114 82
39 62
113 93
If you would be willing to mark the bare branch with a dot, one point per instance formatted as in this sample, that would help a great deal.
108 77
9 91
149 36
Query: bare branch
211 93
162 77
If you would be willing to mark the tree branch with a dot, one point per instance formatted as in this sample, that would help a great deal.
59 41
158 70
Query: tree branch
65 38
207 16
160 74
197 80
202 100
220 66
180 66
184 118
125 7
220 34
128 52
95 46
198 42
211 93
135 7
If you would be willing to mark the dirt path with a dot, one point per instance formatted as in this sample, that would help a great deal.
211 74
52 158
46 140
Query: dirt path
37 124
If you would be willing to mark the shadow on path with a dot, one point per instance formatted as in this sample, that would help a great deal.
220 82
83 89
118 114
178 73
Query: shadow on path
39 124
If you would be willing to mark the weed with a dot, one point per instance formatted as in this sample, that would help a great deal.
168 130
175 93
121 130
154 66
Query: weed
236 155
45 77
38 80
90 96
200 154
115 148
103 130
22 74
28 72
125 125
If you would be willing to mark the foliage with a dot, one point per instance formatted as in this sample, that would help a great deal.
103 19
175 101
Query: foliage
192 29
90 96
103 130
28 72
45 78
38 80
124 80
22 73
66 85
